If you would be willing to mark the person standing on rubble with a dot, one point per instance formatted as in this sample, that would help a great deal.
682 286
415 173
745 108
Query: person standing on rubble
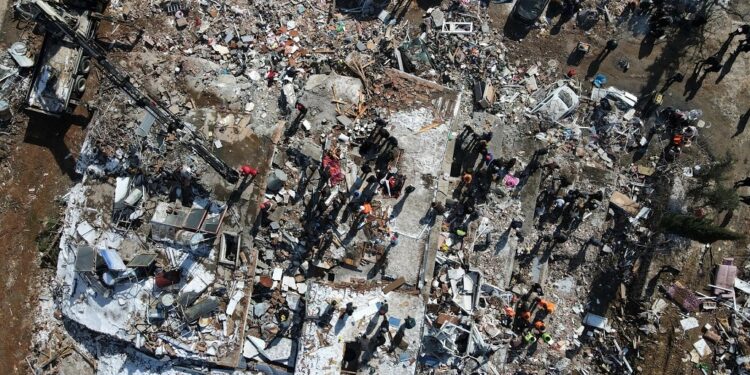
348 311
487 160
325 319
494 167
383 309
364 211
537 288
529 338
468 177
437 208
523 319
509 316
743 29
380 134
467 131
539 326
483 144
547 307
391 144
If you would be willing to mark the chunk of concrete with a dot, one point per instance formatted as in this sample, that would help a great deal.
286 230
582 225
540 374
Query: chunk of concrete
260 308
346 89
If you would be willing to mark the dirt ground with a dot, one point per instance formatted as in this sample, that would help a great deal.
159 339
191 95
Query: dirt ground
36 173
33 181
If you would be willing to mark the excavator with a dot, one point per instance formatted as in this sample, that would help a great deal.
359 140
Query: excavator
59 21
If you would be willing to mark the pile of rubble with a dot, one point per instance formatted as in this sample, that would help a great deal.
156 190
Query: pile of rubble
408 200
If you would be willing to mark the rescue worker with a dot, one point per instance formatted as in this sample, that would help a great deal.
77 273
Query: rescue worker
611 45
324 321
539 325
468 177
526 316
510 314
437 208
248 171
548 306
529 338
546 337
364 210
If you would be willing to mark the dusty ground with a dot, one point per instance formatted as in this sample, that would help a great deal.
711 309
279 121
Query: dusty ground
27 198
35 174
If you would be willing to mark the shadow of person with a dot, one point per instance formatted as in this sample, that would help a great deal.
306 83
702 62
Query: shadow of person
647 46
566 14
502 242
236 195
725 46
727 218
400 205
694 82
515 30
742 123
594 66
727 65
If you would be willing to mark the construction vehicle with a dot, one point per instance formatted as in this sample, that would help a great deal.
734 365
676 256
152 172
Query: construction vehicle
61 23
59 77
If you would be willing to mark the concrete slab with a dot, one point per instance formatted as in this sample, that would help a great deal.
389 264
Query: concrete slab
405 259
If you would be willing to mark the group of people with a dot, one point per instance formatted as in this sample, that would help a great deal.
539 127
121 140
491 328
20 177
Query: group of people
526 316
476 179
714 63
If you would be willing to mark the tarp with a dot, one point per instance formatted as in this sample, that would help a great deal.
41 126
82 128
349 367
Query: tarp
112 259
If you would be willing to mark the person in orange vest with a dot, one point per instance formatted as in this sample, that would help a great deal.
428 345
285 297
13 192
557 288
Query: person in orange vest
510 314
677 139
539 325
526 315
364 210
468 176
548 306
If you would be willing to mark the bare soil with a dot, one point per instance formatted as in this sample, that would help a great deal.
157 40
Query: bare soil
37 171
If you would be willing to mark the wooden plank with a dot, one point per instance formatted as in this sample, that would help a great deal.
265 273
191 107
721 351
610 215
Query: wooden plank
394 285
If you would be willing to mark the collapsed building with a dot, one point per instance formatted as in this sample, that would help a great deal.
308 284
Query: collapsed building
276 204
